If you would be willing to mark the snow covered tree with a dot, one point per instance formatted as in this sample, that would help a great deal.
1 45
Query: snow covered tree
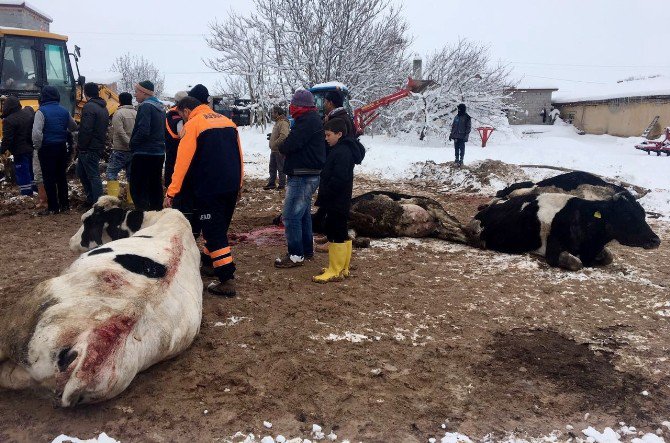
463 73
287 44
134 69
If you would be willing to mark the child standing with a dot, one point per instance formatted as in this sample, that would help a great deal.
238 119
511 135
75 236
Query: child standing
337 181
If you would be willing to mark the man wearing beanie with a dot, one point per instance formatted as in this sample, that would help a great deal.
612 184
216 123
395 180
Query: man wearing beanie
91 142
147 144
200 92
305 153
123 122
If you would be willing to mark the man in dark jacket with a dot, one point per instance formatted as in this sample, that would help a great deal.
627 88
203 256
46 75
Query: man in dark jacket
17 126
91 142
333 106
50 136
210 162
305 153
147 144
460 132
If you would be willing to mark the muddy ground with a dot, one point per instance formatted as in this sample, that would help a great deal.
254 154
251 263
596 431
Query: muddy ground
424 333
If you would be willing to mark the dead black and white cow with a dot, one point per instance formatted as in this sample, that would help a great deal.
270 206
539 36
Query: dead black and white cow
107 221
114 312
568 231
390 214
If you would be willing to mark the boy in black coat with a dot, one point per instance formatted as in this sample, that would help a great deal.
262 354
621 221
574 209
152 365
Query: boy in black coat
337 182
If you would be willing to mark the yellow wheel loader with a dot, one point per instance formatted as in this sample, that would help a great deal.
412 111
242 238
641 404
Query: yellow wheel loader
33 59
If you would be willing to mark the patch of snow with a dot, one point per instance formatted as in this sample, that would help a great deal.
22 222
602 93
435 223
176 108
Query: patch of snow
102 438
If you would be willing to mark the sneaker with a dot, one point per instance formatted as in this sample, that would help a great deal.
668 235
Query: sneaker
309 257
65 210
289 261
46 212
268 187
280 187
222 289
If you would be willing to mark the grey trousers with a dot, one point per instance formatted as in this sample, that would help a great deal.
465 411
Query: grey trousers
277 167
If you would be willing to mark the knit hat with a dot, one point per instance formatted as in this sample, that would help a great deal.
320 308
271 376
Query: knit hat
146 86
179 95
335 97
199 92
461 108
10 106
91 90
125 98
303 98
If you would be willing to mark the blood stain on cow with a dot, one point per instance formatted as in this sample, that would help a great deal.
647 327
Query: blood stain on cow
103 342
113 279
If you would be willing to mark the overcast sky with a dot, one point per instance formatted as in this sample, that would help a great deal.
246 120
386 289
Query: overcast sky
560 43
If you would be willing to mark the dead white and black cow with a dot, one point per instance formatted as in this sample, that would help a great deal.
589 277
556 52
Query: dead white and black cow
381 214
114 312
107 221
568 231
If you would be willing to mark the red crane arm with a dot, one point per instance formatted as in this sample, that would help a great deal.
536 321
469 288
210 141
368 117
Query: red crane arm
366 114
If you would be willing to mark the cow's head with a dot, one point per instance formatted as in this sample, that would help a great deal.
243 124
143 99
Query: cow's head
625 222
92 366
104 222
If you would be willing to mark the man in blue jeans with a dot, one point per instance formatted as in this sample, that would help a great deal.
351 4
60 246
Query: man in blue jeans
460 132
305 155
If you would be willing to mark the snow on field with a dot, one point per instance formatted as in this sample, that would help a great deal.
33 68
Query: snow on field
558 145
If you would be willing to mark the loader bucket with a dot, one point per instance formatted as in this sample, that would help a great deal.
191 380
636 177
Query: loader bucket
418 86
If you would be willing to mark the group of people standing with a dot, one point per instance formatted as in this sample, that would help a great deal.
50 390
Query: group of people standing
317 154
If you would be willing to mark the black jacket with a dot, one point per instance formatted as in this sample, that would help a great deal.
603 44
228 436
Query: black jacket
460 128
17 127
93 125
304 148
148 135
337 176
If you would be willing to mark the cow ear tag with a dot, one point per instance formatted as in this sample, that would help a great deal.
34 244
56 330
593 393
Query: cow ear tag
597 214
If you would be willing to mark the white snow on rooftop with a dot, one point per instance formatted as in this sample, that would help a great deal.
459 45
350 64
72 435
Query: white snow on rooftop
638 87
331 85
27 5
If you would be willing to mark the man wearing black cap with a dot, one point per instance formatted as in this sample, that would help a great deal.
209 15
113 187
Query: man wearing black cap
147 143
91 142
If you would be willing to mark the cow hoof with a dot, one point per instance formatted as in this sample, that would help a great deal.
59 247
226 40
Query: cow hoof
569 262
604 257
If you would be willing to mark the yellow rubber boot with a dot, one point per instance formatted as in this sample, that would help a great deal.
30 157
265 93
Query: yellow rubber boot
345 271
113 188
337 257
129 198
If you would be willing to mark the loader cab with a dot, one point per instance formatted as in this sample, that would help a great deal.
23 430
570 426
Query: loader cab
319 91
31 60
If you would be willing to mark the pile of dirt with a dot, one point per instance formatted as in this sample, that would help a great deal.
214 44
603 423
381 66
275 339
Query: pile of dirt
484 177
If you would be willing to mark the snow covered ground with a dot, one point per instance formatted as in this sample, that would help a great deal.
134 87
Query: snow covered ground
558 145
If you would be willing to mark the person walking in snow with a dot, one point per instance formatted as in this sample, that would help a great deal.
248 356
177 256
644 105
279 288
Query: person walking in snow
147 143
123 122
460 133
